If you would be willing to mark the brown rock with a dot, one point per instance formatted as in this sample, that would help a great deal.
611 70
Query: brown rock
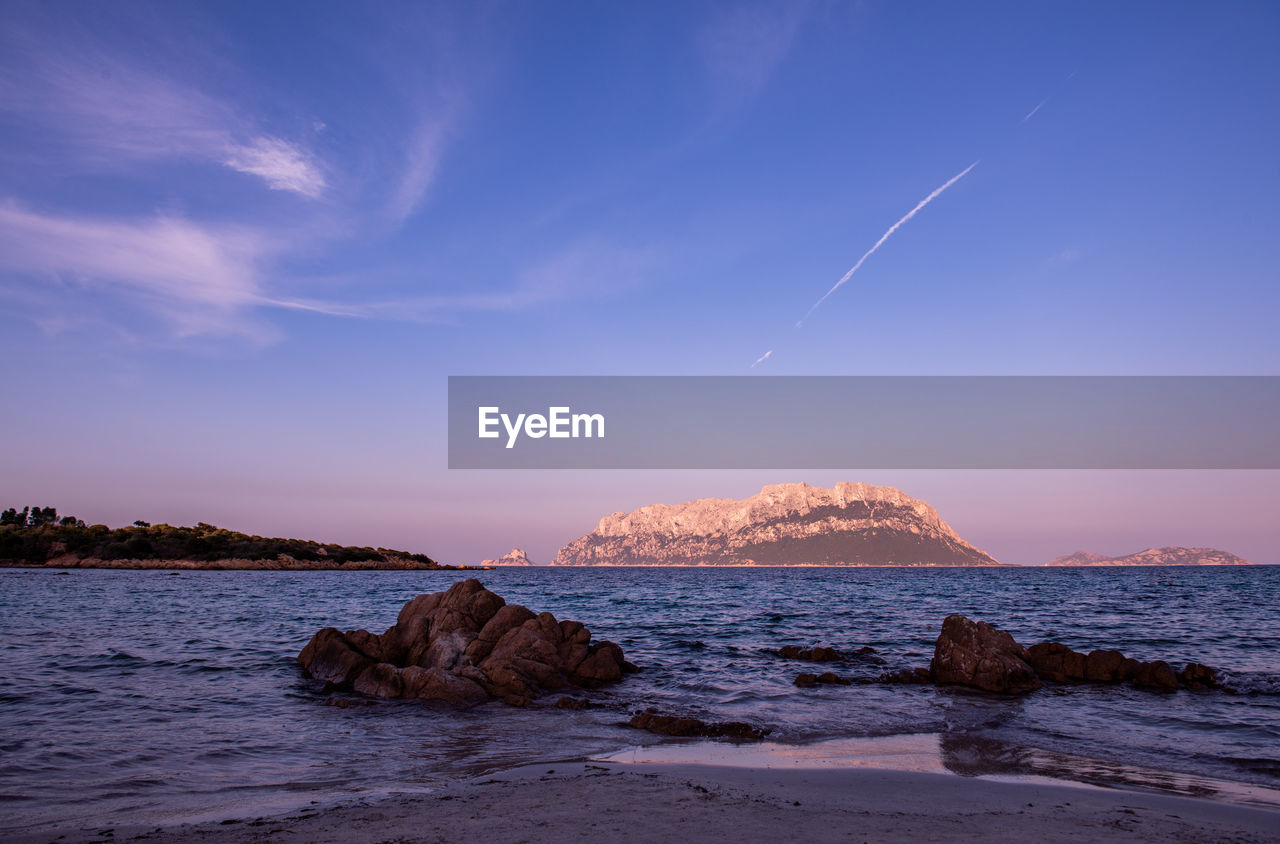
1057 663
671 725
329 658
1197 676
1105 667
504 620
810 654
573 703
826 678
413 619
975 654
439 684
604 664
1155 675
381 680
906 676
464 646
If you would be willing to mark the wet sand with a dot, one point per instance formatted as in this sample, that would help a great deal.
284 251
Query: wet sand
643 801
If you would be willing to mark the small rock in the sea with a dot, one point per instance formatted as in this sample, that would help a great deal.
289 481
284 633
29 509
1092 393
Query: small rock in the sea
672 725
906 676
567 702
1197 676
464 646
810 654
826 678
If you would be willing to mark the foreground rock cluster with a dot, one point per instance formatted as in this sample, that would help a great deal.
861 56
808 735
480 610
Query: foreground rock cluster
975 654
464 646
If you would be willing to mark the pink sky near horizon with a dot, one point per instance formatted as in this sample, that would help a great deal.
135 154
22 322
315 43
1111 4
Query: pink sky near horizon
1024 517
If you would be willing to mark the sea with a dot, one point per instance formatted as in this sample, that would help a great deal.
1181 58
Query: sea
137 698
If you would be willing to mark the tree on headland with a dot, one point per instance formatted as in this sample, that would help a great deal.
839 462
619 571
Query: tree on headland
32 517
36 535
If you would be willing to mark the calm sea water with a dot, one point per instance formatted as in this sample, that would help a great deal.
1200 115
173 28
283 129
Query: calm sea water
145 697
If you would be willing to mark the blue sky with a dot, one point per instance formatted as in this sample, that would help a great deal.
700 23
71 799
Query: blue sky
243 245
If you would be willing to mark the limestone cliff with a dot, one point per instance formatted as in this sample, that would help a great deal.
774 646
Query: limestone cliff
514 557
786 524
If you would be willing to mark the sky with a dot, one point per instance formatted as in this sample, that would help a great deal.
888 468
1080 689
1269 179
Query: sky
242 246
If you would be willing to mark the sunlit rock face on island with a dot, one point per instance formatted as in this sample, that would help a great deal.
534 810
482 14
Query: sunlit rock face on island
1170 556
785 525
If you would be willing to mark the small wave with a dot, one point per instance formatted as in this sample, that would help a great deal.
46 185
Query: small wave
1252 682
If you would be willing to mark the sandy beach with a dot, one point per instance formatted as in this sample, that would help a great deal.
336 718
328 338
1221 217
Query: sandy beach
593 801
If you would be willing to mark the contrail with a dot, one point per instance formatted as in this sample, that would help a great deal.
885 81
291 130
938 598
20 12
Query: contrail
930 198
1031 113
764 357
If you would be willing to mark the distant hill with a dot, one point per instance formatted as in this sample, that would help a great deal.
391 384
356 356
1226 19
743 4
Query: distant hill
514 557
1080 558
1170 556
69 542
784 525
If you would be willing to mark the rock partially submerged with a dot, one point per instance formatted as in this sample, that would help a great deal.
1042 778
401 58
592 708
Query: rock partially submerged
1056 662
977 655
906 677
827 678
464 646
674 725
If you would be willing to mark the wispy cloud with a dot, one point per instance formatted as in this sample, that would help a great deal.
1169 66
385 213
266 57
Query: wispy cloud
743 46
919 207
582 271
422 157
1069 255
196 277
282 165
105 108
764 357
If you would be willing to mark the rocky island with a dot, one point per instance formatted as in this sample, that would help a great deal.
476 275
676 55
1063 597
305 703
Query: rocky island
1169 556
514 557
795 524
